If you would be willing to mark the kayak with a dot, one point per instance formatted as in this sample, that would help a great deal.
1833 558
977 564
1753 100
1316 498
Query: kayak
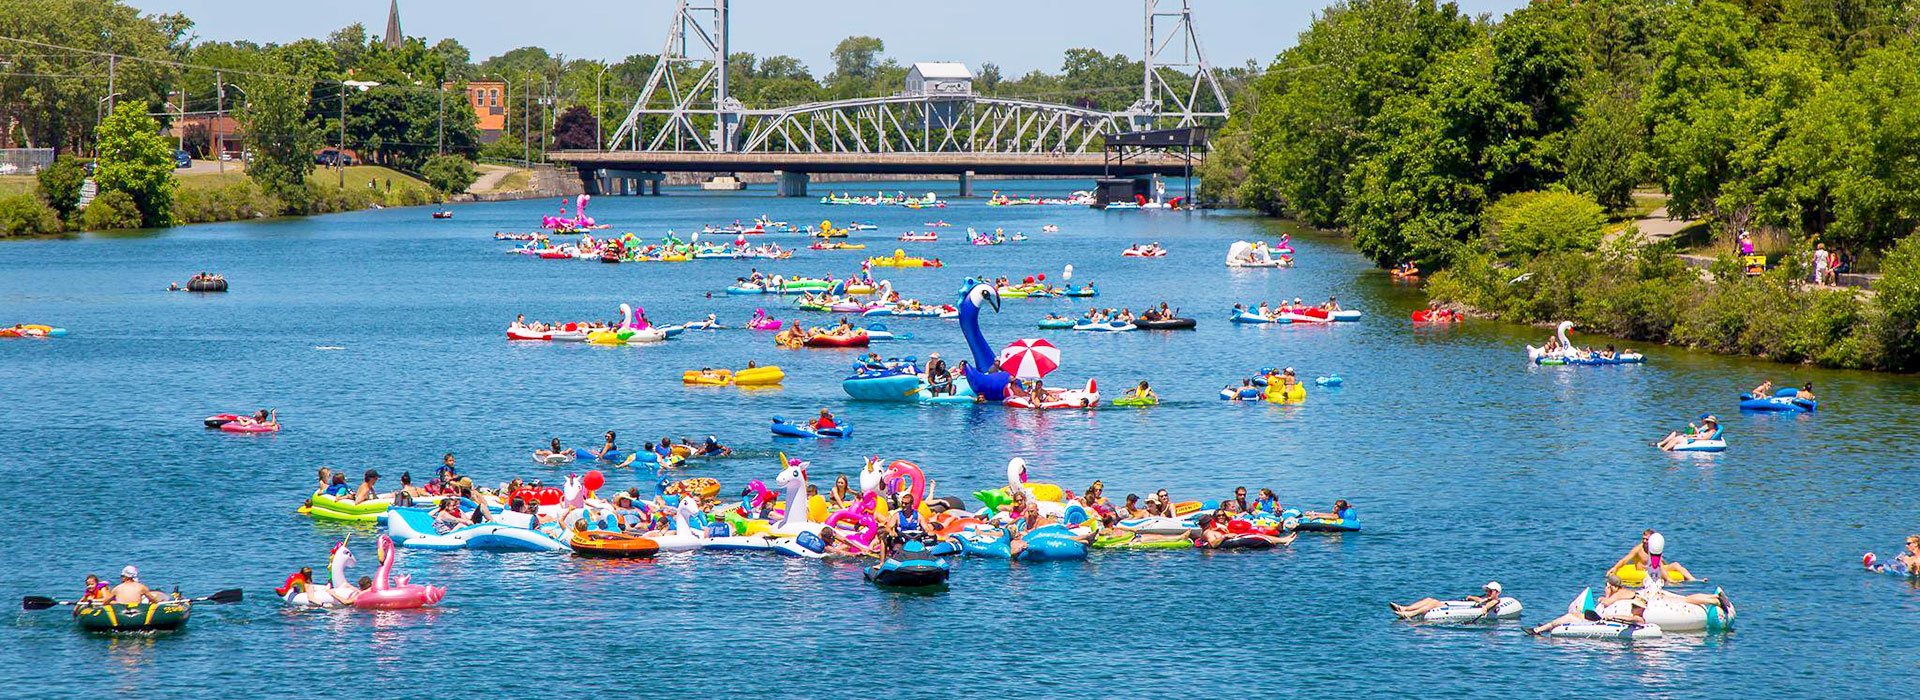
801 430
608 544
1165 324
163 616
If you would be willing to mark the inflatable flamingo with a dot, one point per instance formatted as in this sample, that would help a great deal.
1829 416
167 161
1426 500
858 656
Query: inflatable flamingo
860 514
762 322
398 595
760 498
902 469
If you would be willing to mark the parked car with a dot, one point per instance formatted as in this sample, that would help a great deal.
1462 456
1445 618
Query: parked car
331 158
181 160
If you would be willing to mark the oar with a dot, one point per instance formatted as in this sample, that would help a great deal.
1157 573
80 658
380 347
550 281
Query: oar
40 602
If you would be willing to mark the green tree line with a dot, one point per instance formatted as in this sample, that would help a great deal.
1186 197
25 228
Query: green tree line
1403 122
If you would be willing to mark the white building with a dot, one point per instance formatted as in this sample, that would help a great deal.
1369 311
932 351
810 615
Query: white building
940 79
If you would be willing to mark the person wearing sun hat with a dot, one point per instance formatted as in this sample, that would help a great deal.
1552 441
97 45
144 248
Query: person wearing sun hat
1708 428
1488 599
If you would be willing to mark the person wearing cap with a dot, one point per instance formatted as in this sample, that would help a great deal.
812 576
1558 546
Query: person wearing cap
713 448
1488 599
131 591
1332 304
366 491
939 380
1709 427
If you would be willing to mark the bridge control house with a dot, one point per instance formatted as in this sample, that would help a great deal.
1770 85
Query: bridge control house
939 80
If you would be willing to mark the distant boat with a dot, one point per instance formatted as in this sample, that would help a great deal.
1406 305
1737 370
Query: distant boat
443 214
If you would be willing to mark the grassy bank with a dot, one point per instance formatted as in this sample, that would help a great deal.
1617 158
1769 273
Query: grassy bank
1646 294
229 196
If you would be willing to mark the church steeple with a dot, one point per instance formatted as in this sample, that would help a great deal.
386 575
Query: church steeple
394 37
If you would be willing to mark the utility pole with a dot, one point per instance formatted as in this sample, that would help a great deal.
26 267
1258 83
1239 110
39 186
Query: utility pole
219 106
340 154
526 127
113 62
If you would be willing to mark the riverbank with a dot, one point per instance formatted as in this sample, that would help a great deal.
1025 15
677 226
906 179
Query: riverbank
1648 294
209 195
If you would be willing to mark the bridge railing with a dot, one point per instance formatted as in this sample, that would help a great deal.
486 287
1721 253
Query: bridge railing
925 124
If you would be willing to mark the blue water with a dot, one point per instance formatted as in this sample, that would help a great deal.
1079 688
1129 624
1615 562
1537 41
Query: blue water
1465 463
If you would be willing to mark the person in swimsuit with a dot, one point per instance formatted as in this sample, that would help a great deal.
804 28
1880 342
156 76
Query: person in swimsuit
841 496
1636 616
824 422
339 487
1907 562
366 492
1488 599
1341 511
1638 557
1131 509
131 591
1704 431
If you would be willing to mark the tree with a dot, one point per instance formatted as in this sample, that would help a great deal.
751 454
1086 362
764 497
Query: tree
196 141
134 159
282 138
60 184
574 130
1606 151
449 174
53 94
857 58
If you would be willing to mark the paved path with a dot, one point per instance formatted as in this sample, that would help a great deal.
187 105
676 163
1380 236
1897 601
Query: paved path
490 177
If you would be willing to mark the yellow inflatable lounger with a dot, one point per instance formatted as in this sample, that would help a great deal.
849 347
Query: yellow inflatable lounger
1632 576
1275 394
715 377
759 376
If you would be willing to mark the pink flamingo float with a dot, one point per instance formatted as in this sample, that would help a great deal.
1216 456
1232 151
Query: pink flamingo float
400 594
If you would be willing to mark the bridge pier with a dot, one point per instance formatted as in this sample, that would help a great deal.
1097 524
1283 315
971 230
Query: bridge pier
791 184
612 181
966 183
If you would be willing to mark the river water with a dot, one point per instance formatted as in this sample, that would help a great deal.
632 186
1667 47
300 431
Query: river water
1464 462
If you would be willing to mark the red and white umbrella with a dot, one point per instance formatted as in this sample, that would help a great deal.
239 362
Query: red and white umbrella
1030 358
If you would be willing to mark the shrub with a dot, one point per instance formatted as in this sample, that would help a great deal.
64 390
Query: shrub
60 184
110 211
1525 224
449 174
25 215
239 200
1896 328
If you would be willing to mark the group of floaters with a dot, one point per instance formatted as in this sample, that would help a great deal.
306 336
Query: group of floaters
1706 435
894 509
1275 386
1558 350
1150 250
1296 312
633 328
1260 254
1635 603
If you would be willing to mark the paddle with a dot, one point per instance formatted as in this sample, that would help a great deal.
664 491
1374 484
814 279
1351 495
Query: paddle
40 602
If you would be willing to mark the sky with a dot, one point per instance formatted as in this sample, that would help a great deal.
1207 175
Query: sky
1018 35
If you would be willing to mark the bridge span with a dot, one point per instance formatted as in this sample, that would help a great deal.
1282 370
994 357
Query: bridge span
624 172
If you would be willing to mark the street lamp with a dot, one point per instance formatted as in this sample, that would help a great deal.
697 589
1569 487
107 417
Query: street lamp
598 142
